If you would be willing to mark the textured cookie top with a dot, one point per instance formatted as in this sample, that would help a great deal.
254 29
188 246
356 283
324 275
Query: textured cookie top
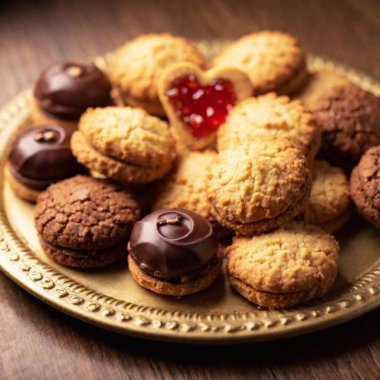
330 193
349 118
288 260
85 213
369 176
269 114
258 180
270 59
139 63
186 187
129 134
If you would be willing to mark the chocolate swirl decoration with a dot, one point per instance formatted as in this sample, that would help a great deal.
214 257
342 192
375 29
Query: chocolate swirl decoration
171 243
41 155
65 90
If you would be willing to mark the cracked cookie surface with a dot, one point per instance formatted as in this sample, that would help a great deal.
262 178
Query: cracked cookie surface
85 213
349 118
285 267
272 115
258 182
365 185
273 60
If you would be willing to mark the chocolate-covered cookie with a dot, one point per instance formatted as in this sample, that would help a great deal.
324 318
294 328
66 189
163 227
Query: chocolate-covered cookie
41 156
174 252
83 222
65 90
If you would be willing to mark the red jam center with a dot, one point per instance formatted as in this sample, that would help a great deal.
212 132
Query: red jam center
202 108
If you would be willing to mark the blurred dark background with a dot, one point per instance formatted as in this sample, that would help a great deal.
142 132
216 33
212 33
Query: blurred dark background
39 342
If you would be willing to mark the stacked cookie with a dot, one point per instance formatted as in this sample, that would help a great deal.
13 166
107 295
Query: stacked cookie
213 152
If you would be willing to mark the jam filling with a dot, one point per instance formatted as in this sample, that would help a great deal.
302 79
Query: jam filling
202 108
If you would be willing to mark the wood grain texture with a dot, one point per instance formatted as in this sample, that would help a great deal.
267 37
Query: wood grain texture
39 342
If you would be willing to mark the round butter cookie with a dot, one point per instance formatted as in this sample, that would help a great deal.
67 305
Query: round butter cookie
273 60
283 268
139 63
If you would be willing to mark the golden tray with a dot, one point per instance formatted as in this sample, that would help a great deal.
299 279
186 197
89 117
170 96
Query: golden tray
112 300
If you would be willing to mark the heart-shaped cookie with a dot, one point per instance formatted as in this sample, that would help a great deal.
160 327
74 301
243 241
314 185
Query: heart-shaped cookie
197 102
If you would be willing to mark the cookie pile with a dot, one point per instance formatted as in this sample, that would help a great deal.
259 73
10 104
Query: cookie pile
211 151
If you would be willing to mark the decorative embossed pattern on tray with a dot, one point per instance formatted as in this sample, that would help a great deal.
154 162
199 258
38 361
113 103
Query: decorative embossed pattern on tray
112 300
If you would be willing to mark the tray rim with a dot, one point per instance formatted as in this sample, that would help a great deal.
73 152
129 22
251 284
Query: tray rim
59 291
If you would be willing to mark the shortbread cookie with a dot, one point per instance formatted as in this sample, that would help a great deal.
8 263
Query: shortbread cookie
174 252
124 143
197 102
138 65
283 268
273 60
259 186
273 115
349 118
365 185
84 222
329 204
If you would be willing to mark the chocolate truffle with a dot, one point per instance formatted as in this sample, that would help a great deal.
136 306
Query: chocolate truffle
65 90
174 252
39 157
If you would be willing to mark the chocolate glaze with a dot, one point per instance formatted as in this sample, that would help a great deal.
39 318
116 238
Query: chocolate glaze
41 156
168 244
65 90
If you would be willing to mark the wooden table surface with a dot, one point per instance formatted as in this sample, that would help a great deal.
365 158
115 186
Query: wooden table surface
39 342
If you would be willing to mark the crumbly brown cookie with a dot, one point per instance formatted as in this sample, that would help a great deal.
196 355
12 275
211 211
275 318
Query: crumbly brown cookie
273 115
365 185
259 186
124 143
138 65
329 204
156 285
83 214
197 102
273 60
318 83
349 118
283 268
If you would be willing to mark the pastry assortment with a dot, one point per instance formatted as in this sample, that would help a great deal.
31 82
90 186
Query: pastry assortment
218 150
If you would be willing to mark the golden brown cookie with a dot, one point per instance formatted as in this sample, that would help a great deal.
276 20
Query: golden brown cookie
138 65
283 268
329 204
124 143
273 115
273 60
259 186
83 222
197 102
